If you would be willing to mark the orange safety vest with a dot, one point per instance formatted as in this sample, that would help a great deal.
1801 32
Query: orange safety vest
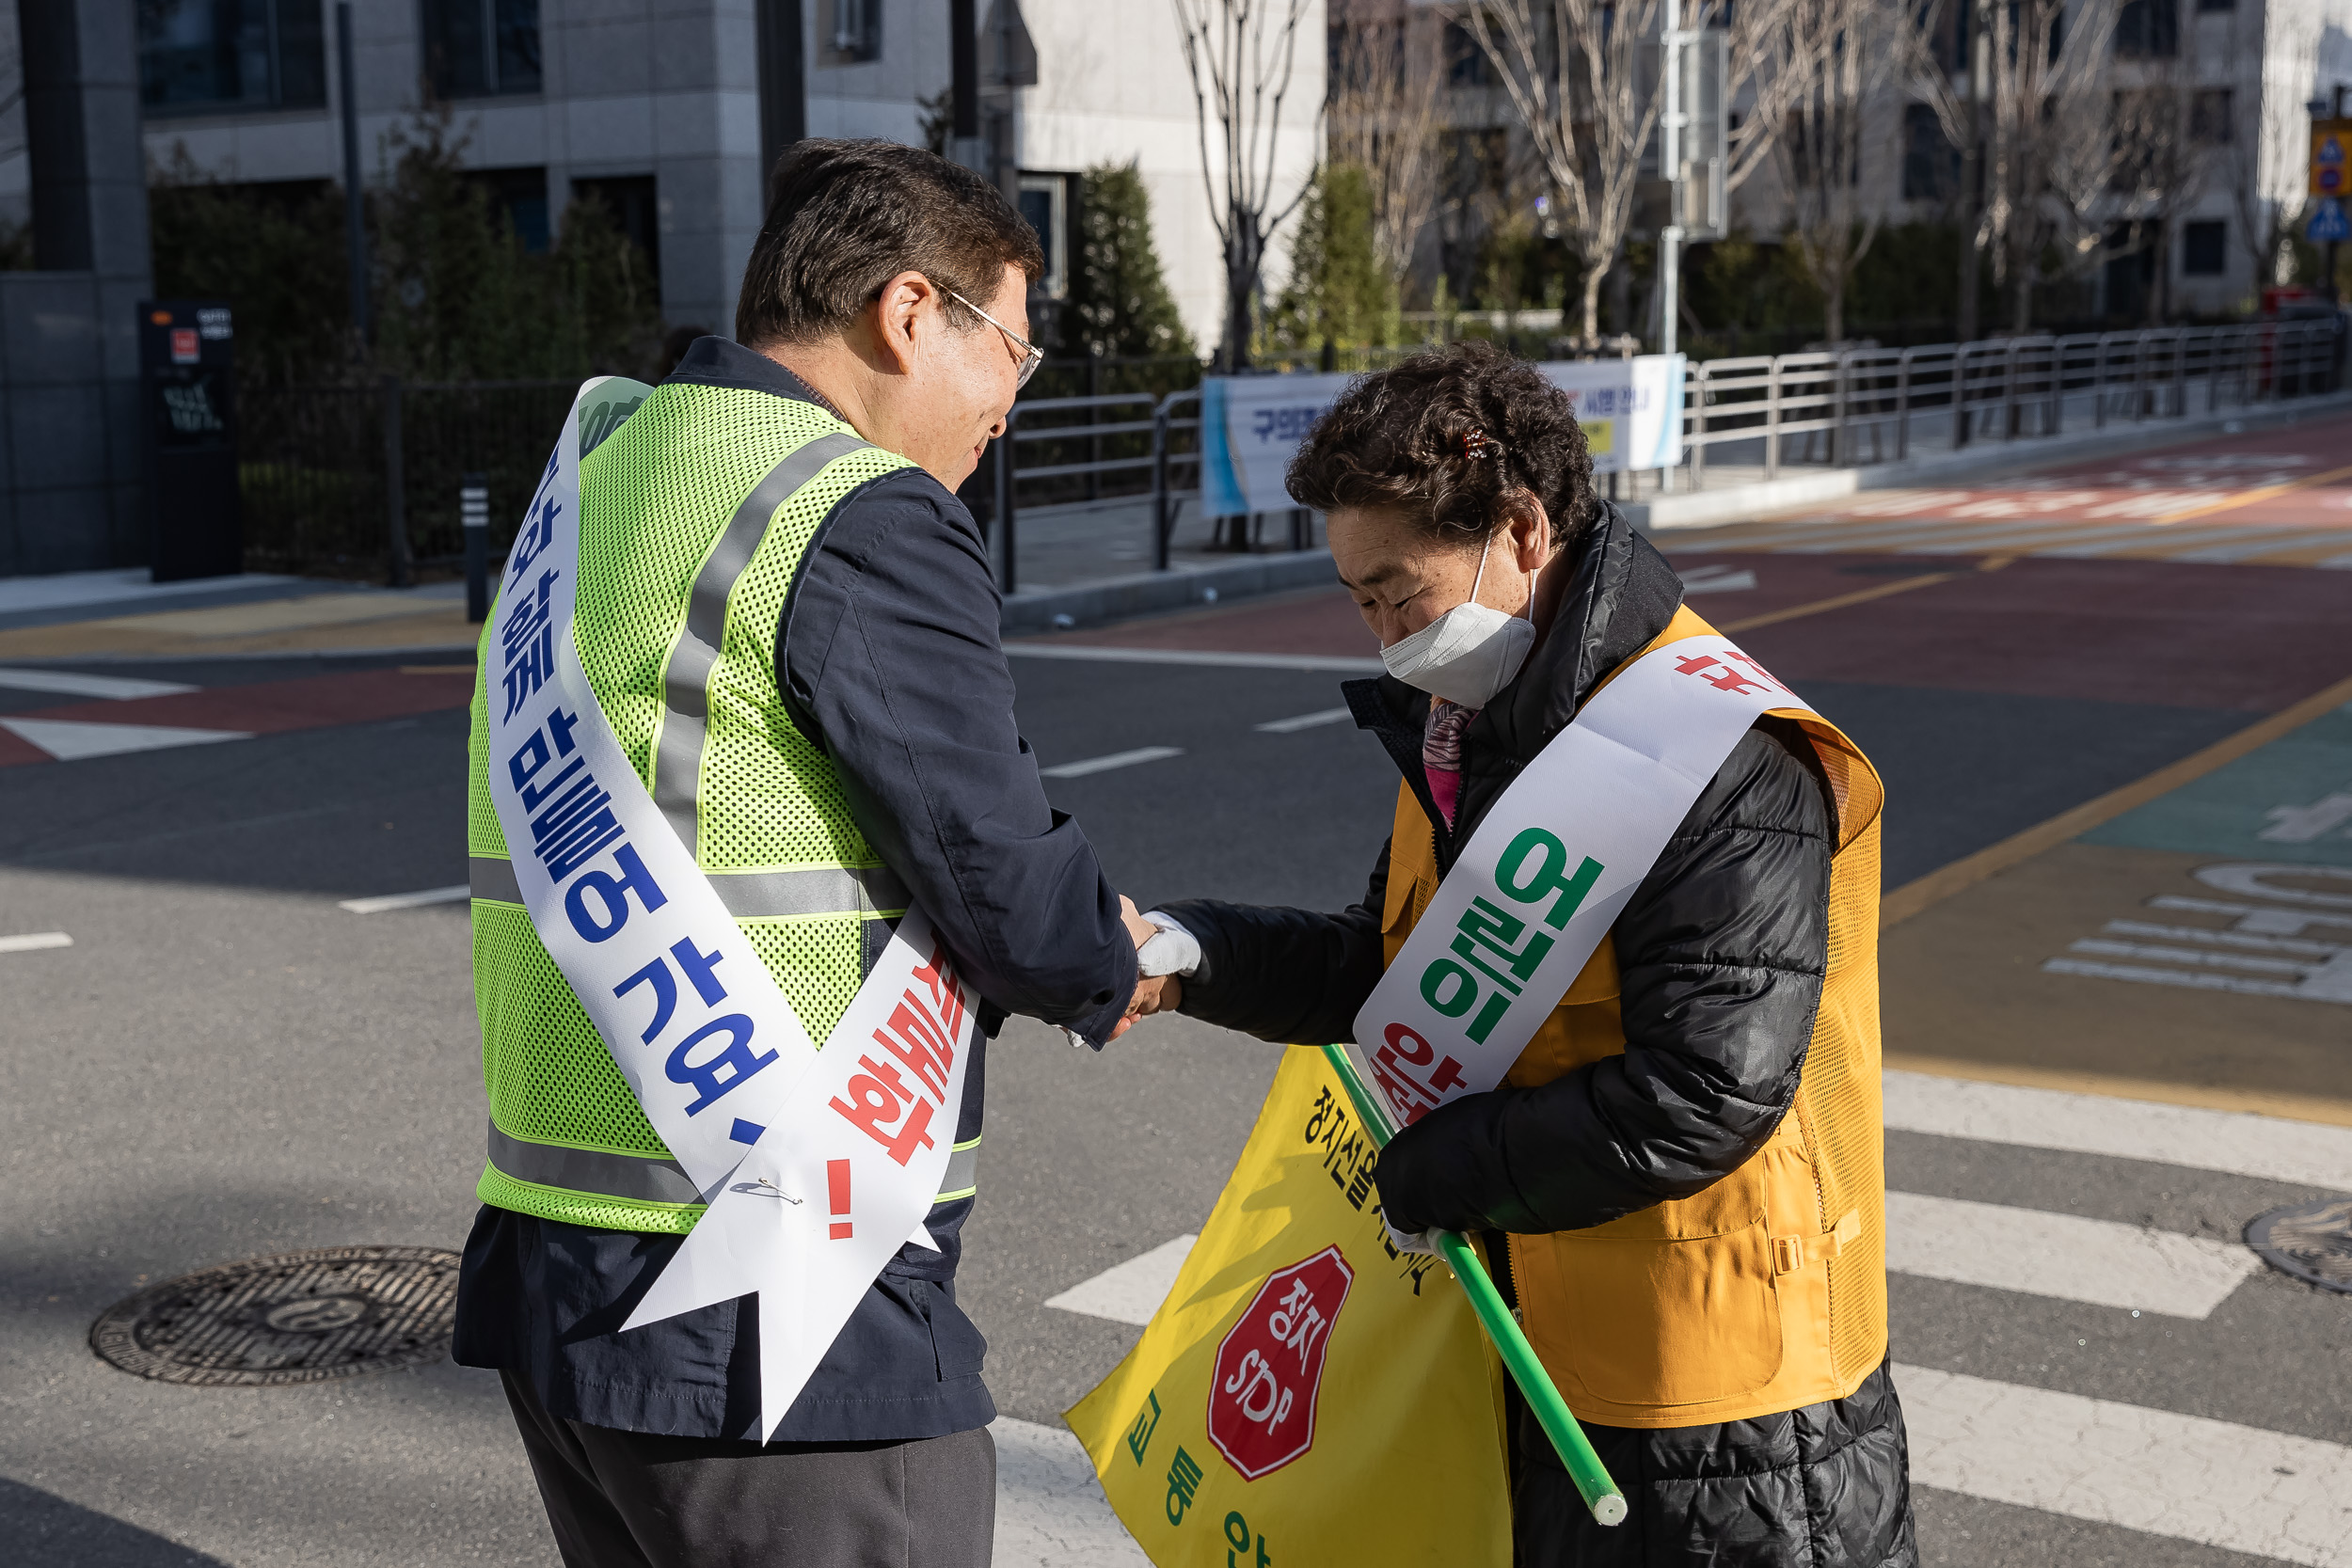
1768 1290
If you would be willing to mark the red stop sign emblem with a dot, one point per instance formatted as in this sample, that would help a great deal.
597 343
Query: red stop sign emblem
1262 1401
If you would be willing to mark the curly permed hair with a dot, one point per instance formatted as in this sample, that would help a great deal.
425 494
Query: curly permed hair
1445 438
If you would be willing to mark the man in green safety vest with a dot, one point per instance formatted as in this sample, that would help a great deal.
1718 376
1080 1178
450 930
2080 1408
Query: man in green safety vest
787 622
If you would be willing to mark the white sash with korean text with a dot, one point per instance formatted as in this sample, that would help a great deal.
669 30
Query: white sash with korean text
1551 868
816 1165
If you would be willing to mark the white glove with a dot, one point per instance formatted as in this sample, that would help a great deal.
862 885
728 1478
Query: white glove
1173 951
1421 1242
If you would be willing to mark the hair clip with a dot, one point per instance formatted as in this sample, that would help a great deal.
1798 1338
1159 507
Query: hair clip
1475 445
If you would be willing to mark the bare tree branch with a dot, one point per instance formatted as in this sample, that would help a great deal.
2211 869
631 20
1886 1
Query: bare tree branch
1389 72
1241 54
1832 61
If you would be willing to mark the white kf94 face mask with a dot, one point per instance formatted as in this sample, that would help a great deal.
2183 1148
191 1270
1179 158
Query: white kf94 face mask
1466 654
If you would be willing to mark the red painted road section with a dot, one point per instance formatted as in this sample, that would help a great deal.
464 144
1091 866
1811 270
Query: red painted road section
264 707
2251 638
1322 622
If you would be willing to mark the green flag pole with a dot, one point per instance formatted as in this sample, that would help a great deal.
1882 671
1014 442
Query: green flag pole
1584 1467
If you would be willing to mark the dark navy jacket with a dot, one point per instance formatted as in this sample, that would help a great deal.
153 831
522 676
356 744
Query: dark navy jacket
888 660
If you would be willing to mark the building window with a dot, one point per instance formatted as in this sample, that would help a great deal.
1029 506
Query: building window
480 48
848 32
1930 162
1466 63
630 200
2212 117
2203 248
207 56
1045 203
520 195
2148 29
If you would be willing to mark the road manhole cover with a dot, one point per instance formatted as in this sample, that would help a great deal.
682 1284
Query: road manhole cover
2311 1241
301 1317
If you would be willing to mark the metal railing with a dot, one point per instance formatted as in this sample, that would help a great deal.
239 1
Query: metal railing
365 478
1870 404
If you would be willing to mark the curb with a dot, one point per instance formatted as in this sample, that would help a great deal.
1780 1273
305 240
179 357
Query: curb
1741 503
1145 593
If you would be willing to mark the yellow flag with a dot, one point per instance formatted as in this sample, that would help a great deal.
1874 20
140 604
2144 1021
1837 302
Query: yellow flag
1306 1394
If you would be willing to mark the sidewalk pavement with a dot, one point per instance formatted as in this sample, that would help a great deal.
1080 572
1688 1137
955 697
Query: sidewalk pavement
1079 565
83 616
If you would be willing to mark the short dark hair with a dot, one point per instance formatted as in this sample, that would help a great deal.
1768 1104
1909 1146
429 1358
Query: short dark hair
1444 438
845 217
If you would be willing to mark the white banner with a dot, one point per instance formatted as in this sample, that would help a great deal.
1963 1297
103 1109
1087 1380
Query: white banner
816 1165
1251 425
1549 870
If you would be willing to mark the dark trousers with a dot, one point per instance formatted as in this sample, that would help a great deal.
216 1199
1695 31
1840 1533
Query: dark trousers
1824 1486
633 1500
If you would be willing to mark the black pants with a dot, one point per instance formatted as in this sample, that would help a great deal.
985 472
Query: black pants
631 1499
1824 1486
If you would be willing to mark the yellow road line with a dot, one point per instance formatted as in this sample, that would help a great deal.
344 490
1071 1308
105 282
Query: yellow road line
1841 601
1990 564
2294 1107
2250 497
1938 885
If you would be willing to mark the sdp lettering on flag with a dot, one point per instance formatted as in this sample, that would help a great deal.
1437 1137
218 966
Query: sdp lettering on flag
1301 1378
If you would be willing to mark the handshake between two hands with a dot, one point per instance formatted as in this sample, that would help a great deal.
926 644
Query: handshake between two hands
1153 993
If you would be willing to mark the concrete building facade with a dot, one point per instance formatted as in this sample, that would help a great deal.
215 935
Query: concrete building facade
657 105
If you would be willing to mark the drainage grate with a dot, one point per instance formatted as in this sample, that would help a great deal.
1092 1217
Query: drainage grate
301 1317
2311 1241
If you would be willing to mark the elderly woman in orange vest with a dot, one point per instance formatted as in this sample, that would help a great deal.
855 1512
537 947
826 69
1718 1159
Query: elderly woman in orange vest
1680 1178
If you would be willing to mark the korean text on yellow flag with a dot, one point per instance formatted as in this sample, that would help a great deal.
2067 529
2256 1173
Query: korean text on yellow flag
1306 1394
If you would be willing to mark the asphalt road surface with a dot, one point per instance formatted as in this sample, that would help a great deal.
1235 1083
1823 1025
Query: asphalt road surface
2095 1088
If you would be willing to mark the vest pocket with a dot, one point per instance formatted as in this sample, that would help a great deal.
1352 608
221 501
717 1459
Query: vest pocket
1640 1321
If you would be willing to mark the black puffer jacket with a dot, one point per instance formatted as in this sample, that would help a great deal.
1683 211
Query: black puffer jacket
1721 953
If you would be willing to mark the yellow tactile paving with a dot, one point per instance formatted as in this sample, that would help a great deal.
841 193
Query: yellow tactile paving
1967 992
310 623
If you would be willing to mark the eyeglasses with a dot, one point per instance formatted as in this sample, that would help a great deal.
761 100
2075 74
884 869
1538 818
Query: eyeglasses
1031 355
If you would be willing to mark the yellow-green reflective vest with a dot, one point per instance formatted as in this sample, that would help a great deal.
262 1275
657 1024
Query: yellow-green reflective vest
693 515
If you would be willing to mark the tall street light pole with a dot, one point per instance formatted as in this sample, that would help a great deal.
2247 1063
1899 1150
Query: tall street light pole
354 198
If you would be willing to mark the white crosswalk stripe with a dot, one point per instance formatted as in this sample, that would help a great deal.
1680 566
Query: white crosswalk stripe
2214 1482
2217 1483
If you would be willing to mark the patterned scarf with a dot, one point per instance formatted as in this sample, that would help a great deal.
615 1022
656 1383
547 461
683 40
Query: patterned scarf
1441 752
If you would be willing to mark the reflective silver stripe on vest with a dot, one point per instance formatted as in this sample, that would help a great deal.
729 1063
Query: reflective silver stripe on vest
748 894
591 1170
488 876
686 683
646 1180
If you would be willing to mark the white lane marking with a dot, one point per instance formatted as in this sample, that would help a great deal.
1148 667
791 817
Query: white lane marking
2062 1255
1129 1293
120 689
34 941
2259 544
2157 534
1304 721
2076 533
2309 1154
2215 1483
1185 655
1050 1508
71 739
1716 579
1117 759
404 900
